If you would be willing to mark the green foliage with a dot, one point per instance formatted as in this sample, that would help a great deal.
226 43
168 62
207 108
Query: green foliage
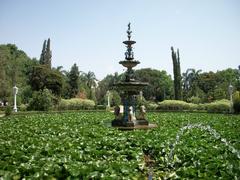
190 83
42 77
46 55
73 77
14 69
219 93
115 99
81 146
215 85
160 84
195 100
236 102
176 105
25 94
105 85
43 54
8 111
22 107
177 75
100 107
42 100
151 105
76 104
221 106
90 79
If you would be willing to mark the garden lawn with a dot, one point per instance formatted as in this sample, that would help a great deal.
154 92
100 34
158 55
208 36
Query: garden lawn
82 145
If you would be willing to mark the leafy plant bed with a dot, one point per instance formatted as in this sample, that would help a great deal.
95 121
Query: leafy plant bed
80 145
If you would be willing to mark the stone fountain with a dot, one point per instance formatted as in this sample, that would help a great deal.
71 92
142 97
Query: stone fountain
126 116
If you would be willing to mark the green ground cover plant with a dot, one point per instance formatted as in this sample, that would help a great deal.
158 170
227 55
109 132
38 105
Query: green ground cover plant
81 145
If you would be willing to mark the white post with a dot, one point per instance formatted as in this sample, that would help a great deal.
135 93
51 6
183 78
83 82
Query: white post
15 91
141 95
108 99
230 90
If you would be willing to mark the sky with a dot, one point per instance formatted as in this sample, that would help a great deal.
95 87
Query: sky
90 32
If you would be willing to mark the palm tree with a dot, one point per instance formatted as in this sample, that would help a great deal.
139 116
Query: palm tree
190 81
60 69
90 79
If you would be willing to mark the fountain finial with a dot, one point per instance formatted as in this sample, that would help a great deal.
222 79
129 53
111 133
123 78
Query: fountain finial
129 31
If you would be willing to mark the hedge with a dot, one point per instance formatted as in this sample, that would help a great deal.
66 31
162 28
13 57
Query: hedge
76 104
176 105
221 106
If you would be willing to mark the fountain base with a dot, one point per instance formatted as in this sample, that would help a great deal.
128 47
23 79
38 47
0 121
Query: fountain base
131 125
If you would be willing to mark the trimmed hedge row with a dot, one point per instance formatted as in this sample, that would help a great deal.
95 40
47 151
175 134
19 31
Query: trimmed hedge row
221 106
76 104
218 106
176 105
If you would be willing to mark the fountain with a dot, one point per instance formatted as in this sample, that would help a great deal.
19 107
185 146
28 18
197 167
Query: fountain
202 127
126 116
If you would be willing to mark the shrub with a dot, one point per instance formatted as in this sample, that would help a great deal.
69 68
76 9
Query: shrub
76 104
194 100
8 111
176 105
22 107
100 107
115 99
221 106
41 101
236 102
151 105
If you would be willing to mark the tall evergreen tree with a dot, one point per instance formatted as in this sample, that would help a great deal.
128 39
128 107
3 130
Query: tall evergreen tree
43 54
46 55
177 75
74 80
48 60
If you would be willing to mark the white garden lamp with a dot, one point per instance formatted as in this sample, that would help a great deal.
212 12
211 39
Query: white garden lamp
141 95
108 98
15 91
230 91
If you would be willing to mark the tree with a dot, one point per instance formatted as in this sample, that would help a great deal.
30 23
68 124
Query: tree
46 55
73 77
43 54
177 75
115 98
48 60
15 66
4 84
90 79
160 84
207 82
190 83
103 86
42 100
42 77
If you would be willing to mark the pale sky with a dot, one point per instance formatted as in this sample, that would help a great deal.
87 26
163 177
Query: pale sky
90 32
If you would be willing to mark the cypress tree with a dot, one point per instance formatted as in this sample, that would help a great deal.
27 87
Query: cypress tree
43 54
46 55
48 60
177 74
